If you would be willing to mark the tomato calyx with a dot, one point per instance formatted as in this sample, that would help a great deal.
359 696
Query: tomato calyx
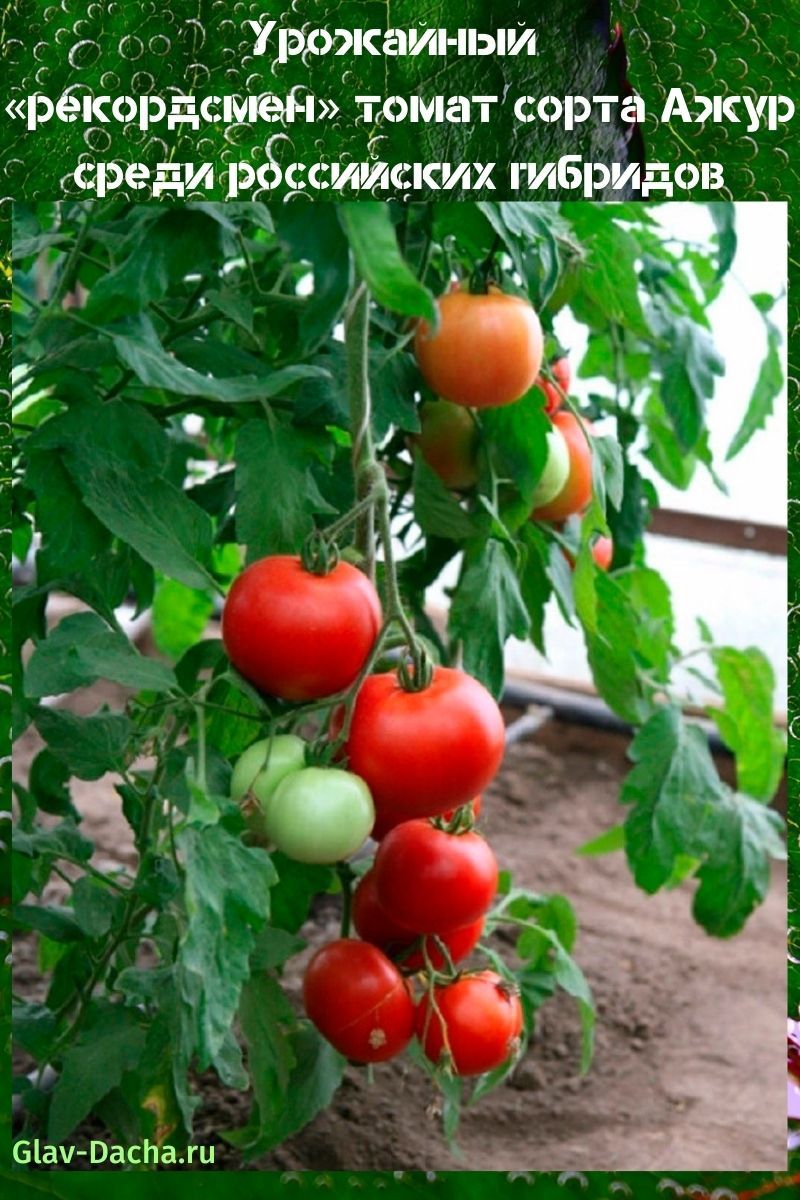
319 555
417 675
460 821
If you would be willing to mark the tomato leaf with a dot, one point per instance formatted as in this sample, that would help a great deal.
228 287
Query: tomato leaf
180 615
486 610
227 902
277 496
373 240
82 649
735 876
110 1043
673 791
88 746
436 509
768 387
294 1070
745 721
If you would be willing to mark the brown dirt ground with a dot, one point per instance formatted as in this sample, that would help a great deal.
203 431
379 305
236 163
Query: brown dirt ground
689 1069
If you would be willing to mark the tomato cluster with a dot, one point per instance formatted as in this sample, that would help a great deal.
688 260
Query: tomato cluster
419 912
419 746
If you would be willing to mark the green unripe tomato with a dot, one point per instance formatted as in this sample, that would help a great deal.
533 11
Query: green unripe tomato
259 771
556 469
320 815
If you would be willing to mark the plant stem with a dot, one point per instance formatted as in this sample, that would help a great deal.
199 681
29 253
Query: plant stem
346 877
356 335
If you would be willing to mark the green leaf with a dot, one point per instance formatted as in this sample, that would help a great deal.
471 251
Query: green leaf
516 435
63 841
57 924
33 1027
369 229
768 387
608 469
294 1070
611 642
735 877
437 511
117 454
723 214
297 884
227 903
322 243
745 721
138 346
486 610
88 746
164 251
673 790
82 649
274 947
110 1043
534 581
689 363
95 906
608 288
180 615
605 843
276 494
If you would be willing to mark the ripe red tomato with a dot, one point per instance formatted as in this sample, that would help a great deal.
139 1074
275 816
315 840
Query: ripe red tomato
475 1022
422 753
429 880
381 828
375 925
358 1000
297 635
486 352
562 373
577 491
448 441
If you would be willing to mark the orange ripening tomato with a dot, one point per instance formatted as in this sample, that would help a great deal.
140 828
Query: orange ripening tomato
486 352
577 491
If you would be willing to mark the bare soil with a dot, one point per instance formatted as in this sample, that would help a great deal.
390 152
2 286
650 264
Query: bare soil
689 1069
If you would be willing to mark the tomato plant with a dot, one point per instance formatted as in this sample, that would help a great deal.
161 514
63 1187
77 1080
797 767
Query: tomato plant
359 1000
234 429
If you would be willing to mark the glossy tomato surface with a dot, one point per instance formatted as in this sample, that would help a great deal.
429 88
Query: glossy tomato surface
374 924
448 441
577 491
430 880
319 815
476 1022
297 635
358 1000
422 753
486 352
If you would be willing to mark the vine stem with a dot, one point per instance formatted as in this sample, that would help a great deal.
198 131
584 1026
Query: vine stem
356 336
